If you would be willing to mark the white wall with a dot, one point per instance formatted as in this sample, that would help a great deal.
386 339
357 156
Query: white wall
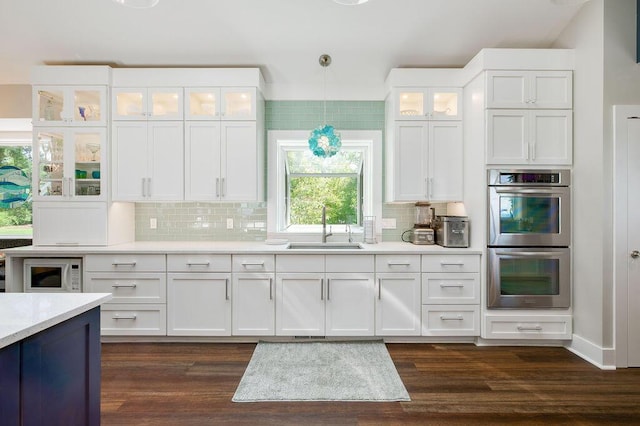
604 38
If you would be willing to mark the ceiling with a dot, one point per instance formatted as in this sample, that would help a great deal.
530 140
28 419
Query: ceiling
282 37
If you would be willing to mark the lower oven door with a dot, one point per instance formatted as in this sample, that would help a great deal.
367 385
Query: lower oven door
529 278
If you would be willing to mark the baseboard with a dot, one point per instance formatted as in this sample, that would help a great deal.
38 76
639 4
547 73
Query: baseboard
603 358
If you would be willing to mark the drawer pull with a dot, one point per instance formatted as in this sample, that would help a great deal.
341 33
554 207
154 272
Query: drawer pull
532 328
248 264
399 263
124 285
452 263
451 285
198 264
456 318
124 317
116 264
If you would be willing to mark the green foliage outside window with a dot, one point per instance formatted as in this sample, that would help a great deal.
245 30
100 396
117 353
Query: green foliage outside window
17 220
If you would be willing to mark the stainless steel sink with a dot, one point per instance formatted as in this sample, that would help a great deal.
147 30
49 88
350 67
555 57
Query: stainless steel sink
324 246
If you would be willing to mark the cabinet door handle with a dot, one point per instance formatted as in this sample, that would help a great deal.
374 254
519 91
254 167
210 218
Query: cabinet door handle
379 288
144 187
148 187
124 317
226 289
270 288
533 150
527 149
217 187
451 285
446 318
321 288
430 188
222 188
328 289
426 188
69 187
116 286
532 328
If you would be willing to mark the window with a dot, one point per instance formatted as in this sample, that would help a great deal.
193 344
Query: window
301 183
15 179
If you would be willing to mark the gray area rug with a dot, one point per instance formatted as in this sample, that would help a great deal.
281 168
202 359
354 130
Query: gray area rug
321 371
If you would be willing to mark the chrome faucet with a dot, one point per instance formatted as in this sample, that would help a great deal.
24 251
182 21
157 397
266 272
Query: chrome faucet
324 225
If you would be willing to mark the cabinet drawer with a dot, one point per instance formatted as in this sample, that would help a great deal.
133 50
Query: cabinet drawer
398 263
199 262
129 288
450 288
350 263
451 263
300 263
133 320
253 263
450 320
528 327
126 263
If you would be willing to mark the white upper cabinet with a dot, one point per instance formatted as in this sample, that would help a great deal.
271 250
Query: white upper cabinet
147 103
69 105
541 137
69 163
427 103
215 103
427 162
529 89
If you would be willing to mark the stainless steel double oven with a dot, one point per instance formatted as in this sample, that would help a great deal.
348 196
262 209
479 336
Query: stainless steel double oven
529 237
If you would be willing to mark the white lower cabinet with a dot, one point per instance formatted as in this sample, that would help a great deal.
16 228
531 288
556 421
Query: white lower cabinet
350 304
139 288
528 326
253 289
300 304
398 304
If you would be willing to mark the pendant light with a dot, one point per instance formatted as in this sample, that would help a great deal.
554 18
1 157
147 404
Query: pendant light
324 141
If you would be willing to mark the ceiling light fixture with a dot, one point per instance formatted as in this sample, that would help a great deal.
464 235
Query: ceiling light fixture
350 2
138 4
324 141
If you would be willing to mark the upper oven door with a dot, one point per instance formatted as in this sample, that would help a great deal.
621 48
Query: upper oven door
529 216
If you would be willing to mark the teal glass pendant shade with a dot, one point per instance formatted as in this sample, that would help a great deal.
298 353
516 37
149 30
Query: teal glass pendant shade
324 141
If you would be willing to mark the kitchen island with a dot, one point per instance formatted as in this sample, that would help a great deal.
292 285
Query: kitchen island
50 358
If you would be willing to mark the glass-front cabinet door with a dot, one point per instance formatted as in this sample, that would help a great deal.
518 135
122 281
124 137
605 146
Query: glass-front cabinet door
428 103
69 105
226 103
69 164
147 103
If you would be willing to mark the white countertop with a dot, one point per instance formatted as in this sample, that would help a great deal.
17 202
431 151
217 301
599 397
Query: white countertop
25 314
239 247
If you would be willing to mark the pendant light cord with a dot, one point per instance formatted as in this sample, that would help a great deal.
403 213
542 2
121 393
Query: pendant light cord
324 89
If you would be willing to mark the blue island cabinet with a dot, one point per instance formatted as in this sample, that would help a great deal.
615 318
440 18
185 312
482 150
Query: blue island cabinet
53 377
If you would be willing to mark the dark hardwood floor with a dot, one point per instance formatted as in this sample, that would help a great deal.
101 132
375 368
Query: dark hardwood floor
192 384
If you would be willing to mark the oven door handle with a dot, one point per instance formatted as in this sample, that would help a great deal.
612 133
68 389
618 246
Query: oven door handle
527 254
529 191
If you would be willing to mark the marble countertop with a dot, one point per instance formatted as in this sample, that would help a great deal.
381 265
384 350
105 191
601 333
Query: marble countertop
239 247
25 314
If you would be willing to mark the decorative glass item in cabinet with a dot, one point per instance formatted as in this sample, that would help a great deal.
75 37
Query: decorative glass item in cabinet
202 104
237 104
445 104
50 105
165 103
87 164
51 163
411 104
87 105
130 104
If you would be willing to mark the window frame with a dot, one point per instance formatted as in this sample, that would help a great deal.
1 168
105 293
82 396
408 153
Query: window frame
370 141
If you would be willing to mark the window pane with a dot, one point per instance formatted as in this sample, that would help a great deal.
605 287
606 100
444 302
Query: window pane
15 194
303 161
309 193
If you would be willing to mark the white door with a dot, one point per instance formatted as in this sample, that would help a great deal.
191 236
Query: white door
445 161
398 305
202 161
350 304
129 156
300 304
507 136
166 164
551 137
253 304
239 161
198 304
633 241
411 161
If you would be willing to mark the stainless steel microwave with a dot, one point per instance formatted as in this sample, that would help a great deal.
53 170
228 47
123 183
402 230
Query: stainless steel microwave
53 275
